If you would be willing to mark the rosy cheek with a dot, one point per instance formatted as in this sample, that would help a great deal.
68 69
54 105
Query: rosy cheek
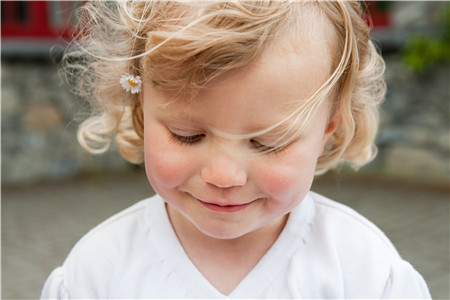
163 163
161 170
287 181
279 181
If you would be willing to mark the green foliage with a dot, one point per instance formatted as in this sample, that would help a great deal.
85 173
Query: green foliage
423 52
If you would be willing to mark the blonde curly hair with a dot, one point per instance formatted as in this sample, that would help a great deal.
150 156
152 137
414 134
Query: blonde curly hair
183 45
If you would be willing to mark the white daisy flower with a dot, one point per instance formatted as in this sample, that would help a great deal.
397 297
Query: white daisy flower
131 83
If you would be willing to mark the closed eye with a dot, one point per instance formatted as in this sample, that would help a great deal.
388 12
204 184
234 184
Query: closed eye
271 149
261 147
189 140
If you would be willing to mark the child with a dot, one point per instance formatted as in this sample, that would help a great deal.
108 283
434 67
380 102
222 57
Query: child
233 107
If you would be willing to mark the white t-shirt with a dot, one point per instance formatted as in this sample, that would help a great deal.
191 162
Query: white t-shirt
326 250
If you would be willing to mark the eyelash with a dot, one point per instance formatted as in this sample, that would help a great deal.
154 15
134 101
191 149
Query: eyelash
263 148
192 139
186 140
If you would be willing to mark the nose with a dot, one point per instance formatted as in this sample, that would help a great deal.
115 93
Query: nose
222 171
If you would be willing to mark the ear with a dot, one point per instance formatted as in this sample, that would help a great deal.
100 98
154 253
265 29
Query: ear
333 124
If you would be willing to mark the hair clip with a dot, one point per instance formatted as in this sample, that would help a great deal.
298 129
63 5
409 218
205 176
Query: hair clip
131 83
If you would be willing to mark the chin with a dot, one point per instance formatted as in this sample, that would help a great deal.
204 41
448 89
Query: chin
223 232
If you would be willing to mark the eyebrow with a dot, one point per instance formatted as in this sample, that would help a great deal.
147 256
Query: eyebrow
279 132
175 117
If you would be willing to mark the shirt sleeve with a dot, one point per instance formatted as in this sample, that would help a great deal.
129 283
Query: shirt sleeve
54 287
405 282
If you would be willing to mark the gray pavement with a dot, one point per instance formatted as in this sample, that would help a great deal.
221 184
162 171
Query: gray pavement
41 223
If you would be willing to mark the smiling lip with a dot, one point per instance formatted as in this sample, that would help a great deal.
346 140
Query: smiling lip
224 208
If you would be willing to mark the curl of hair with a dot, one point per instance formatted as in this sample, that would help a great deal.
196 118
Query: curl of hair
360 91
184 45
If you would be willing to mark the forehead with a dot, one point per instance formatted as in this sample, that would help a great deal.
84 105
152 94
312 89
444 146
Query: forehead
253 97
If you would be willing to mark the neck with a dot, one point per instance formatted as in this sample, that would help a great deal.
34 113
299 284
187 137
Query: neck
224 262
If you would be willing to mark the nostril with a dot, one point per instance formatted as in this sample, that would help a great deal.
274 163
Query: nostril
224 178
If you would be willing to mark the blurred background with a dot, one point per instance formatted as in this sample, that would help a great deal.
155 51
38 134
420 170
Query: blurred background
53 191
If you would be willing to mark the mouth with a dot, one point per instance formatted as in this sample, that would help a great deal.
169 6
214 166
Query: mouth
224 208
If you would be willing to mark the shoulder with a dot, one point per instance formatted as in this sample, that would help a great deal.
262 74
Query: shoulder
121 224
349 228
118 230
103 251
351 256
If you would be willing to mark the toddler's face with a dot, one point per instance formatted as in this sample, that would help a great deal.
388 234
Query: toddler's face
217 183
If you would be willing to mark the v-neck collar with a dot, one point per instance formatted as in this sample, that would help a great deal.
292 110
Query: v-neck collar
260 278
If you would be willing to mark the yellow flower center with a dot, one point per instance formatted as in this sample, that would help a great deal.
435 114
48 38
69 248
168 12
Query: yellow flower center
131 82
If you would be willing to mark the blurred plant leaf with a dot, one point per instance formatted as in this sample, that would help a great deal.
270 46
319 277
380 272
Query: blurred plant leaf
423 52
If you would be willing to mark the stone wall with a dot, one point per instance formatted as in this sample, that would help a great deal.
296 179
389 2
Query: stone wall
39 127
413 139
